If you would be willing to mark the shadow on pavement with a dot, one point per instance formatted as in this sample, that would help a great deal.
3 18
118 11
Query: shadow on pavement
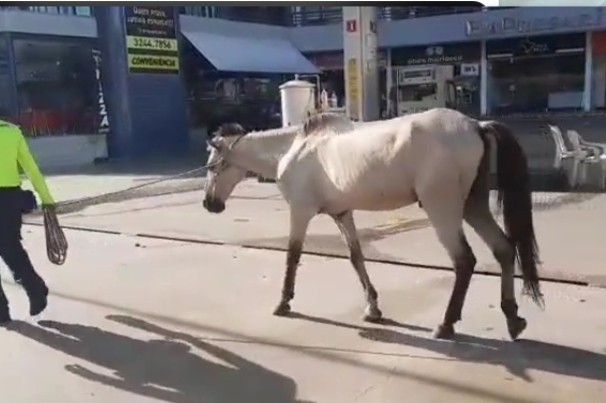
166 369
517 357
452 386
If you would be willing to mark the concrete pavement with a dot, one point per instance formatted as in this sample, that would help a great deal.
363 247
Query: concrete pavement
144 320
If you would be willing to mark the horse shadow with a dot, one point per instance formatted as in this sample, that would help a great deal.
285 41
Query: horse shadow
516 357
332 322
165 369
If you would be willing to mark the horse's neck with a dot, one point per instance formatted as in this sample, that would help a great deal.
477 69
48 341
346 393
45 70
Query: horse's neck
261 151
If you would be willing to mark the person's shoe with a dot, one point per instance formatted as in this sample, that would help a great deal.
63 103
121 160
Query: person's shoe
38 301
37 305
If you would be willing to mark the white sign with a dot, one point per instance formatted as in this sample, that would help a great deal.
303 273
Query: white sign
470 69
104 121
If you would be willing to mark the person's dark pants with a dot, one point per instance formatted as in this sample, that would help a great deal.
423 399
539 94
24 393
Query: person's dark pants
12 251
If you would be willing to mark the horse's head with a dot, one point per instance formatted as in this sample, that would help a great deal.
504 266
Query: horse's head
223 172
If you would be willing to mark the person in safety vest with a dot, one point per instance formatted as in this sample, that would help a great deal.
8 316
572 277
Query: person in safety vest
15 153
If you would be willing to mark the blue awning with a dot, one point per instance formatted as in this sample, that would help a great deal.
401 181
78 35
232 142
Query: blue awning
250 55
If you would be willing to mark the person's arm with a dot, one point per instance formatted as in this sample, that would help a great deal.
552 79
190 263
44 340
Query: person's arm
30 167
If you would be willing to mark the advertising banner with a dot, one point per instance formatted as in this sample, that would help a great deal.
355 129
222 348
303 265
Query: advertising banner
151 40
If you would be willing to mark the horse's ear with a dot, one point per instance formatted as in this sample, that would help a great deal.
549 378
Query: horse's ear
230 129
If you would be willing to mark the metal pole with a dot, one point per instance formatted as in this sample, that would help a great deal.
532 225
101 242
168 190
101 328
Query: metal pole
483 81
361 63
588 72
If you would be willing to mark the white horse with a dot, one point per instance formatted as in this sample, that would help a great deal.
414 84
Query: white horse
438 158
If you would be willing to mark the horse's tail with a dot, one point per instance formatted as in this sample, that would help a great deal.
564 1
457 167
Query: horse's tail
514 198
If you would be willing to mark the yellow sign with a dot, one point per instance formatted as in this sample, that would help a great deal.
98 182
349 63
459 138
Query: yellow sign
151 39
146 43
353 88
153 62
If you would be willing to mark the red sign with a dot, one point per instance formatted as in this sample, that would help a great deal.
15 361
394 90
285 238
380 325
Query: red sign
351 26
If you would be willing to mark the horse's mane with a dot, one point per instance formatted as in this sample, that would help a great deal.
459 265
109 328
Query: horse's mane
327 120
229 129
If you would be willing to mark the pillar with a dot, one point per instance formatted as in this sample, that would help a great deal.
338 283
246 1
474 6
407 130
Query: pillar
587 88
361 65
484 110
144 94
388 81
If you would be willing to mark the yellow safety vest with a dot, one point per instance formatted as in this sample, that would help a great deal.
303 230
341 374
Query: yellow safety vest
14 152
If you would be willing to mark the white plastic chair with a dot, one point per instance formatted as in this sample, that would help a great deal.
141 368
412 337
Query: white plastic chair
601 147
568 160
596 156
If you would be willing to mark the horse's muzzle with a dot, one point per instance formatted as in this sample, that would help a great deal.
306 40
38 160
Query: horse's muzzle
213 205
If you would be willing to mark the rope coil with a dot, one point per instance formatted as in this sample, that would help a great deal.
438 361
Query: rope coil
56 243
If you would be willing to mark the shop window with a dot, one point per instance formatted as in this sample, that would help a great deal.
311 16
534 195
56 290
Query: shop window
539 85
85 11
537 75
56 87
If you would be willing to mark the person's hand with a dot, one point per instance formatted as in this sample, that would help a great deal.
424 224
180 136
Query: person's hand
49 207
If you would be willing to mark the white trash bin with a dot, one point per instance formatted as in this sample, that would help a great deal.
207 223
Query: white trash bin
298 100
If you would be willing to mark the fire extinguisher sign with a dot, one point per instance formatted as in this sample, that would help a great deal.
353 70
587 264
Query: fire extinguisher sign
351 25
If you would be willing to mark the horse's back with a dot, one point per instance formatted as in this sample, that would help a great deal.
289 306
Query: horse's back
381 165
447 149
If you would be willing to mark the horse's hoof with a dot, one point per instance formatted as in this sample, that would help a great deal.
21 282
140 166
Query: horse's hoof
372 314
444 332
516 327
282 310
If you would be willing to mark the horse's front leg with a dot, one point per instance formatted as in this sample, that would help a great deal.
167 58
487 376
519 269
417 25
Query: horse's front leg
346 225
299 222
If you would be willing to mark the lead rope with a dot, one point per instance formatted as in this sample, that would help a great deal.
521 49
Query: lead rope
56 242
72 205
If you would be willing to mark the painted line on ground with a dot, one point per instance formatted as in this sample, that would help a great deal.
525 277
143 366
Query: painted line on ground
550 279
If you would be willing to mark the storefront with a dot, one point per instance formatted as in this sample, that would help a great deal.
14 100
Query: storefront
53 88
536 74
463 78
215 97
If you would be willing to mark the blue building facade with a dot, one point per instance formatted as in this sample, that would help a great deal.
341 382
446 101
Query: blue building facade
83 70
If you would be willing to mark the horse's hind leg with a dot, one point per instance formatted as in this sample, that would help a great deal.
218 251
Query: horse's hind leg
478 215
299 222
446 215
347 226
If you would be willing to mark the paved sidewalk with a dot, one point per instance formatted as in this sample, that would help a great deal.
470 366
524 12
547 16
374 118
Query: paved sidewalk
568 228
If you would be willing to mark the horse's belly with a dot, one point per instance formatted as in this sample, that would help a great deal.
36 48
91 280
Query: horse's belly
386 202
383 196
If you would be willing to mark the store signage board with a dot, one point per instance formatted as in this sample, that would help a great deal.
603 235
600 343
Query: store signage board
151 40
510 25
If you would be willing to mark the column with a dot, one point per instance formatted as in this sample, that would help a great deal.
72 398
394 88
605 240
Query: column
145 97
361 65
588 72
483 81
388 79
